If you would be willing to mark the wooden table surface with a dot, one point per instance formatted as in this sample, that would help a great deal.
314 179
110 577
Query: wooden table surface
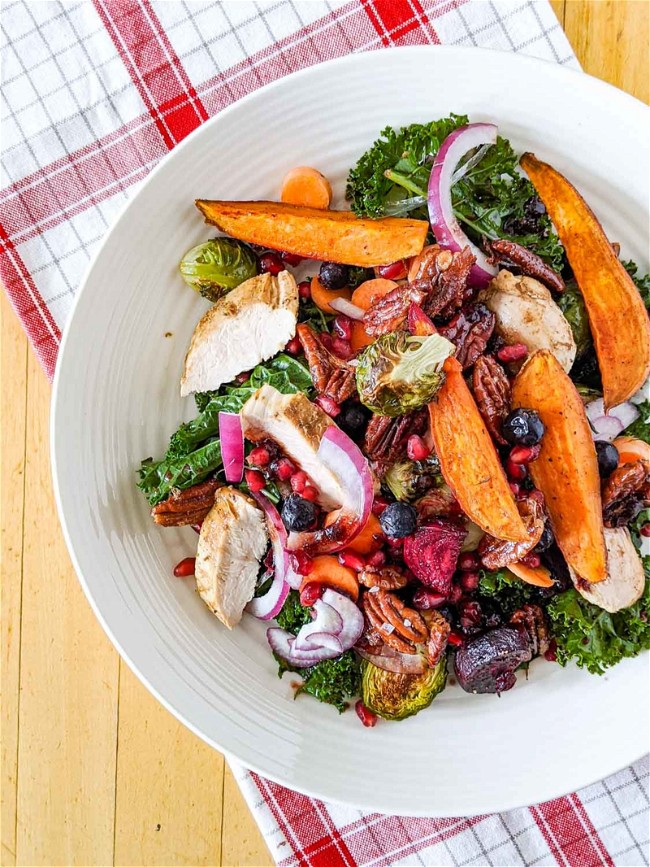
94 771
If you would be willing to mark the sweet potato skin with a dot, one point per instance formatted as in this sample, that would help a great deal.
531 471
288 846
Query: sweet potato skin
566 471
469 461
617 316
333 236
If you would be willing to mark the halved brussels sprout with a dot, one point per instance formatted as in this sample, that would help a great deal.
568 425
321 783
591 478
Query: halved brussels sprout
399 372
409 480
572 304
397 696
217 266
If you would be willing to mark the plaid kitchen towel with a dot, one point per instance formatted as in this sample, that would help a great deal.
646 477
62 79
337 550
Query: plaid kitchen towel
94 94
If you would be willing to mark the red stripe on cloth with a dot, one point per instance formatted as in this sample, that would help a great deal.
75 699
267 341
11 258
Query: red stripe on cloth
395 19
573 841
154 67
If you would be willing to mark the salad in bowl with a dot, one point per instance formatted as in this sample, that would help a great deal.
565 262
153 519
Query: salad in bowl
422 447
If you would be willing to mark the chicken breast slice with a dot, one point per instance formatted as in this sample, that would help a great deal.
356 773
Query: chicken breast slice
248 325
232 542
526 313
297 426
625 580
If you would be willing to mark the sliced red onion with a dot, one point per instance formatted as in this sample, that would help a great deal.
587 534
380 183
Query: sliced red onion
607 426
282 642
268 606
347 308
391 660
319 641
327 621
232 445
446 227
350 614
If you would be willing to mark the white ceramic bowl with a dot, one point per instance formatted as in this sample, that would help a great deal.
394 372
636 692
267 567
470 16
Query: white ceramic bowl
116 401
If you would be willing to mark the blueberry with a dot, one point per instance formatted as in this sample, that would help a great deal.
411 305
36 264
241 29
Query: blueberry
546 540
353 419
398 520
523 427
298 514
333 276
607 458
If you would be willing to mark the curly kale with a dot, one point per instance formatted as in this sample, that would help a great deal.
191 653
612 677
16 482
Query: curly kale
642 283
293 615
491 199
641 427
157 479
333 680
507 591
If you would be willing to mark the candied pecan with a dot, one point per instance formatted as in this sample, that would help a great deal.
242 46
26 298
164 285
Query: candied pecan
331 375
533 620
388 312
380 626
625 493
442 277
386 438
386 578
497 553
492 393
439 630
469 331
505 252
190 506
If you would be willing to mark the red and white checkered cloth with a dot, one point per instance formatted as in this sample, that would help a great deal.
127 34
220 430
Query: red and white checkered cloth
93 95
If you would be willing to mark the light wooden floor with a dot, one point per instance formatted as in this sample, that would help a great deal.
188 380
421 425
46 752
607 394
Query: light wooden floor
94 772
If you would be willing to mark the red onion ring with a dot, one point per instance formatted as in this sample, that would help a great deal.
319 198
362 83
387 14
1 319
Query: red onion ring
268 606
347 308
232 445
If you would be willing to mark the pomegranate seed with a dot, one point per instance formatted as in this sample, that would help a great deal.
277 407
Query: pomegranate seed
301 563
242 377
424 599
469 581
536 495
416 448
298 481
532 560
259 457
309 493
645 530
326 339
367 717
394 271
455 594
470 614
550 655
185 568
343 326
525 454
304 289
341 348
469 561
294 346
255 480
378 505
515 488
284 469
271 263
515 352
396 544
352 560
328 405
310 593
197 527
291 259
455 639
515 472
378 559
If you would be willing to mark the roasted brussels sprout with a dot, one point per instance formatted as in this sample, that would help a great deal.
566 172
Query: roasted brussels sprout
409 480
398 372
572 305
217 266
396 696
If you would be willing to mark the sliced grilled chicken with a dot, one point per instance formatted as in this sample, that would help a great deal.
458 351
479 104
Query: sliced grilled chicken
625 576
297 426
526 313
232 542
245 327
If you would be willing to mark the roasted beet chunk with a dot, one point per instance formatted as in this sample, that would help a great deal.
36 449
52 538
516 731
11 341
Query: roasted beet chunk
432 553
487 663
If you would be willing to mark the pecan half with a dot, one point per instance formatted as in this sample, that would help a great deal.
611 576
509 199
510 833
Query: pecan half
505 252
387 578
386 438
533 620
439 631
492 393
625 492
400 627
442 276
331 375
469 331
190 506
497 553
388 313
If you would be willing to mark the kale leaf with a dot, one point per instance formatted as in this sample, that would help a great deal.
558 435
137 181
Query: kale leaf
641 427
333 680
491 199
642 283
293 615
157 479
506 590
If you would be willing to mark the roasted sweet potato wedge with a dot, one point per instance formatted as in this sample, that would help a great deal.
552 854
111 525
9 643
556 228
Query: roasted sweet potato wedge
469 461
335 236
617 317
538 576
566 471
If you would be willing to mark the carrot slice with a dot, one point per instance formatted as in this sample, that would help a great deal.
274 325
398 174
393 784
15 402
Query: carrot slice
469 461
306 186
566 471
617 316
538 577
322 296
366 542
365 295
631 449
360 337
328 571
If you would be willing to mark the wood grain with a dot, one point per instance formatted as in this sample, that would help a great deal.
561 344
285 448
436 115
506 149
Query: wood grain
91 764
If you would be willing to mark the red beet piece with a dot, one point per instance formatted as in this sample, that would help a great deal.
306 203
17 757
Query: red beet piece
431 553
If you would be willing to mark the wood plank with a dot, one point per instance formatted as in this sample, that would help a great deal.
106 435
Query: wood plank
611 39
242 843
13 408
169 786
558 8
68 682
